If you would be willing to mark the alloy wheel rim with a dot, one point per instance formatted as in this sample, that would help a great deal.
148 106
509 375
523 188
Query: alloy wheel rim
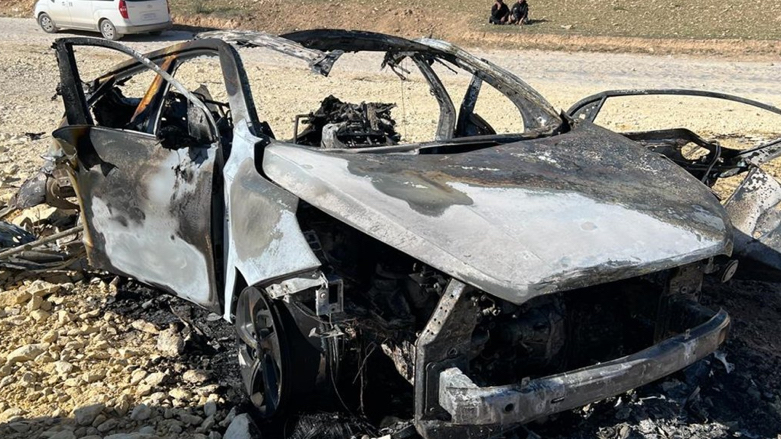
260 353
46 23
108 31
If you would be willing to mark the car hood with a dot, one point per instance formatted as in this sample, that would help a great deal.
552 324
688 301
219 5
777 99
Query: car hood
521 219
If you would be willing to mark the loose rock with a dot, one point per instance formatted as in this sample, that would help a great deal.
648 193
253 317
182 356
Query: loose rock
86 415
242 427
170 343
141 413
26 353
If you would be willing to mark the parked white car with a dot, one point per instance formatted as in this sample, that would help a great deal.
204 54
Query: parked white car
112 18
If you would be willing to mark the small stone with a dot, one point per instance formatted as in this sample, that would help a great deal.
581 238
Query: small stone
13 298
147 430
64 317
207 424
11 413
155 379
195 376
19 427
93 376
190 419
145 326
207 390
99 420
42 288
141 413
143 390
215 435
65 434
122 404
28 378
137 376
39 315
34 303
170 343
6 370
181 394
242 427
108 425
50 337
210 408
86 415
229 417
126 353
174 427
72 382
26 353
156 398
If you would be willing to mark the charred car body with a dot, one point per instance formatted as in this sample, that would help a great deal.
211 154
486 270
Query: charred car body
506 277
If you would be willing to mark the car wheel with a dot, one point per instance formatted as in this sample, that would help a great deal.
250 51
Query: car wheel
46 23
108 30
278 365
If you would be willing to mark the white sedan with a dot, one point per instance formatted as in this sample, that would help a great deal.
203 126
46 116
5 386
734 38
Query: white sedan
112 18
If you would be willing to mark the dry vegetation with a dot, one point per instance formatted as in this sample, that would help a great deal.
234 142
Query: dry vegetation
678 26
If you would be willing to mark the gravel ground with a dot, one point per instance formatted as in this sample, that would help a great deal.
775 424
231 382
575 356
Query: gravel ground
85 354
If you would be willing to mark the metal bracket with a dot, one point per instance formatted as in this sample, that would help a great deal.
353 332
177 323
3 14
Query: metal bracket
302 282
329 299
443 344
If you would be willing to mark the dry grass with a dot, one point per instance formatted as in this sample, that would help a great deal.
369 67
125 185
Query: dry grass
743 27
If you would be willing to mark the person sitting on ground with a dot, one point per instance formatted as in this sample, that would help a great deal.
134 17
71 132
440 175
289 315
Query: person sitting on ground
500 13
520 13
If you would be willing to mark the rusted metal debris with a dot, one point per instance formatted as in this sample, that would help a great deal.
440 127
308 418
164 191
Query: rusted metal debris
501 275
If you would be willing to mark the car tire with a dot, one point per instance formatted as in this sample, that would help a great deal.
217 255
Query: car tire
279 366
46 23
108 30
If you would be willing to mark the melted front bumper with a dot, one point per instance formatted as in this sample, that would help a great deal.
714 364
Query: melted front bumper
469 404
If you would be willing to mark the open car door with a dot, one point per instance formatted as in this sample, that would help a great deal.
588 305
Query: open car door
143 169
754 205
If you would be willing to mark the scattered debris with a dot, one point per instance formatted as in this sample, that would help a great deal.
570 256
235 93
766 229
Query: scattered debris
34 136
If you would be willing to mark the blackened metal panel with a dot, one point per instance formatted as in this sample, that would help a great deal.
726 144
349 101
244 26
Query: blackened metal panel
755 211
520 219
147 209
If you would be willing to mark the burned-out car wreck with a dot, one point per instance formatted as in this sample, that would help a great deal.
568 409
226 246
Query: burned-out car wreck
501 277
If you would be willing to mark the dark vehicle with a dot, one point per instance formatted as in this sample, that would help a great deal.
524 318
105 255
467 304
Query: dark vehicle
504 277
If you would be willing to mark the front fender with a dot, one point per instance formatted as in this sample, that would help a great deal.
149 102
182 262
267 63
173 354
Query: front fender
263 236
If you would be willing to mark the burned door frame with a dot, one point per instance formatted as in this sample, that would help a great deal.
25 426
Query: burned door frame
146 205
263 242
